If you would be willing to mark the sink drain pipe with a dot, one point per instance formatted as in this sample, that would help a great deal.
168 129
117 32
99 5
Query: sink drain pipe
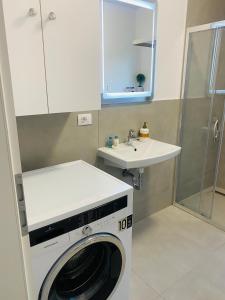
137 179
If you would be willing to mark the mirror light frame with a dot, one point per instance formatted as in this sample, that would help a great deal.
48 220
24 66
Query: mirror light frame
131 97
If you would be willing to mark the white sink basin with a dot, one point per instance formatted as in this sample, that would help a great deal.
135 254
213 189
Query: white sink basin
142 154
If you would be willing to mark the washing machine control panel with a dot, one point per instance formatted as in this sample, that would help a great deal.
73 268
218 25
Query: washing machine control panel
82 220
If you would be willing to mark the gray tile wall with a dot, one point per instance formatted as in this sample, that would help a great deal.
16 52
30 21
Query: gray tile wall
205 11
51 139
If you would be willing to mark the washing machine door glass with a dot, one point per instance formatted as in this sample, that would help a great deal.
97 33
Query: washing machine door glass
90 270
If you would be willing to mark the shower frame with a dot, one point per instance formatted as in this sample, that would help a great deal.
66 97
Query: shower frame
218 27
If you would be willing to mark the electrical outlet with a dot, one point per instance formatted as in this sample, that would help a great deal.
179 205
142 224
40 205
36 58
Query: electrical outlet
84 119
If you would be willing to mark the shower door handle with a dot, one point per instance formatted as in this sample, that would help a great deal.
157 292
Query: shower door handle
216 131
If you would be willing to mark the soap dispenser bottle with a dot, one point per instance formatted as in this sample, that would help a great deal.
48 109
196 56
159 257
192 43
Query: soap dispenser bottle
144 131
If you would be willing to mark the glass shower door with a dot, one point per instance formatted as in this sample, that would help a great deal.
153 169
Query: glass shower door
216 131
212 156
198 105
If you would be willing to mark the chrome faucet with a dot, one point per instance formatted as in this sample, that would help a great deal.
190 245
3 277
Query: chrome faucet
131 136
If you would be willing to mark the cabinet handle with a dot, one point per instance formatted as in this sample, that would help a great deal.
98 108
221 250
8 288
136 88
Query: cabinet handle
32 12
52 16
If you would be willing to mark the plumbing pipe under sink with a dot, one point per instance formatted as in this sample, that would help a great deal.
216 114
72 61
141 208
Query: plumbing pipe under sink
137 180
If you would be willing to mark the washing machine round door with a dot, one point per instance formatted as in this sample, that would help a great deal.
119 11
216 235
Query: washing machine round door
90 270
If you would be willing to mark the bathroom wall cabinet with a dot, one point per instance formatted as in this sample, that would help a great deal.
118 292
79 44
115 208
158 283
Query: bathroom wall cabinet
26 59
54 50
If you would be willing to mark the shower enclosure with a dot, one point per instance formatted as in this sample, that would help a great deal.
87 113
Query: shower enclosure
200 174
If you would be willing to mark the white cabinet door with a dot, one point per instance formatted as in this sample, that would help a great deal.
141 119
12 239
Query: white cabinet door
26 57
72 43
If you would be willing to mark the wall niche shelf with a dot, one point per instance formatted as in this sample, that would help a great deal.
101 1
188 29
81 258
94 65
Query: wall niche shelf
144 43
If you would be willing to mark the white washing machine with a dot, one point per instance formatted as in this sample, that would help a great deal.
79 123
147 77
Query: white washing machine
80 229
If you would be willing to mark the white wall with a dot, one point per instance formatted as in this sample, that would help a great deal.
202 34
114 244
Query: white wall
14 257
120 54
170 48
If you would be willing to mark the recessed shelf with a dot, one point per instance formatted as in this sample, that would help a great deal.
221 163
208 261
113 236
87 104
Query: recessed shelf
144 43
140 3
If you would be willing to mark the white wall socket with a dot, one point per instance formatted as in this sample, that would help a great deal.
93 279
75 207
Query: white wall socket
84 119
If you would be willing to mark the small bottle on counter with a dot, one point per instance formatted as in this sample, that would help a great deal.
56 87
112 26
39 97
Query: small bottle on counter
110 142
144 131
116 141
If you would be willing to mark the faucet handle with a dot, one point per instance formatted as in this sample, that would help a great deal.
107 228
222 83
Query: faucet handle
132 133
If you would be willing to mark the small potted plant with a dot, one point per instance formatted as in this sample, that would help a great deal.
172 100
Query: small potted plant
141 80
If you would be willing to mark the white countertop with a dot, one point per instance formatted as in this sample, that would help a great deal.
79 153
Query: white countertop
55 193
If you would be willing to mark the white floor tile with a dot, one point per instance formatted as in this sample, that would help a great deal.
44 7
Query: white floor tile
194 288
141 291
220 252
219 209
192 203
205 282
157 272
170 244
161 254
204 234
